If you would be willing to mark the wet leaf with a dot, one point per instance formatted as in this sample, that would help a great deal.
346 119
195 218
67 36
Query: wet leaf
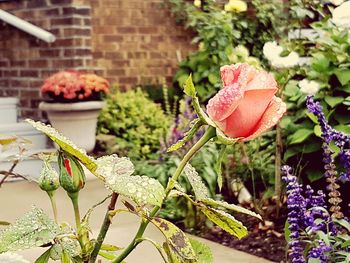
199 188
218 165
202 251
231 207
34 229
225 221
189 88
141 189
194 126
112 165
224 139
44 258
176 239
65 144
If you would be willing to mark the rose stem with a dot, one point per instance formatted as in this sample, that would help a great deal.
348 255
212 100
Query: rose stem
104 228
210 133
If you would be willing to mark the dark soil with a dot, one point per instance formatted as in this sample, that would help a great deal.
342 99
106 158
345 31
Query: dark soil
264 240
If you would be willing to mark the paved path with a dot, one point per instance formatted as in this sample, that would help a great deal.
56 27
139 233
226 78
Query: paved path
16 198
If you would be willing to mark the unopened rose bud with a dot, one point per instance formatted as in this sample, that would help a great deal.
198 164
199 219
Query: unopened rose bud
72 176
48 179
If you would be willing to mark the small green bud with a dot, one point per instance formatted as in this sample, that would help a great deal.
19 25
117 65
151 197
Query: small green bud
48 179
72 176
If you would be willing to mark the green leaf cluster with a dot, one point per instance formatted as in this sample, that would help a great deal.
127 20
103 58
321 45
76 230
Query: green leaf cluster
135 124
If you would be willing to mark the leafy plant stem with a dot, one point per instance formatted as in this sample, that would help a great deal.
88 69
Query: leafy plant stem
74 197
210 133
51 195
104 228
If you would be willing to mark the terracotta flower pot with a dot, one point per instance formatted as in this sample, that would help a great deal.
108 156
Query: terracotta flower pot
77 121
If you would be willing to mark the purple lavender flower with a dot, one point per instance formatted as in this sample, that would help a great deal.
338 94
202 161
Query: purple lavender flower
296 210
320 252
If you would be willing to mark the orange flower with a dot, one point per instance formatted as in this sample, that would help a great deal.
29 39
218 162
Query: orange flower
73 85
247 105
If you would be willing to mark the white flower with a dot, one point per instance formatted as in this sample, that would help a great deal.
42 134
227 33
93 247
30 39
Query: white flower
341 15
271 50
286 62
337 2
9 257
197 3
309 87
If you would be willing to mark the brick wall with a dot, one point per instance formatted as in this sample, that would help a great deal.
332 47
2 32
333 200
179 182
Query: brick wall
136 41
25 61
130 42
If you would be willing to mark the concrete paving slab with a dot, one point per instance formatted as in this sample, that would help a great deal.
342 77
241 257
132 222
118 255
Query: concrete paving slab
18 197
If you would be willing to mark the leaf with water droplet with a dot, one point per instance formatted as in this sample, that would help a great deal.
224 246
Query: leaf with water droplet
65 144
34 229
222 138
203 251
112 165
199 188
176 239
44 258
194 126
141 189
231 207
218 165
225 221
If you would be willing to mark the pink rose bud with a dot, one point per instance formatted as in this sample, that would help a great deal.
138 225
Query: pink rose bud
246 106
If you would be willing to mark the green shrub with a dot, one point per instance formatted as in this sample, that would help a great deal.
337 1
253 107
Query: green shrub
134 122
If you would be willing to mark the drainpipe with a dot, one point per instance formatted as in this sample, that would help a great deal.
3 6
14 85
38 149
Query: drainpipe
27 27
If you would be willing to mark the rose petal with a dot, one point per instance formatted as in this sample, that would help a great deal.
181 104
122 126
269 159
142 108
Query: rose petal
247 115
262 80
272 115
224 102
235 78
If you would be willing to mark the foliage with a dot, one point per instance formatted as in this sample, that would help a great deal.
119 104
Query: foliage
218 38
329 68
68 244
136 124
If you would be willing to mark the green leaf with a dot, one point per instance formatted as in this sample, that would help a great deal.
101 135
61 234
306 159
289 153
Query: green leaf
108 247
112 165
318 130
200 112
65 257
65 144
141 189
224 139
199 188
300 136
34 229
189 88
225 221
44 258
343 128
231 207
286 231
333 101
343 76
194 126
320 63
176 239
203 251
218 165
311 117
213 78
107 255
